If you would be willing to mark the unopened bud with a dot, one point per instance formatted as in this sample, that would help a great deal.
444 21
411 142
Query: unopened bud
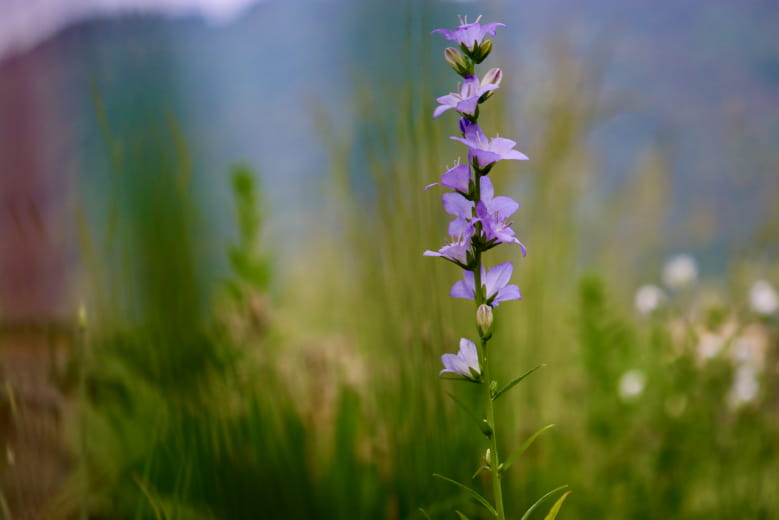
481 53
484 319
488 457
457 61
493 77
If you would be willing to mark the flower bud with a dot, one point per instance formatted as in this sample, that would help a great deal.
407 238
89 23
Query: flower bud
457 61
484 319
488 457
492 77
480 53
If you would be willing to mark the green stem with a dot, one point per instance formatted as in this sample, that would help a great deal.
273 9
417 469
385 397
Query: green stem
494 461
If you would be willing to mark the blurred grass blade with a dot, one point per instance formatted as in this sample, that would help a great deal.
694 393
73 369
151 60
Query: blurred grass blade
483 501
540 501
556 507
461 516
525 445
424 513
515 382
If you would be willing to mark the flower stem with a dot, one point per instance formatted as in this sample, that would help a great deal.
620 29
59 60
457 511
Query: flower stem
494 462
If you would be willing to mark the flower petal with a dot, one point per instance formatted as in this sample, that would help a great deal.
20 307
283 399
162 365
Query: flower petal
457 205
440 110
486 190
467 106
468 353
484 157
454 364
457 178
498 277
503 206
510 292
515 155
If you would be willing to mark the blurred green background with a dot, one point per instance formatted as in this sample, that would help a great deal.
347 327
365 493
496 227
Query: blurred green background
214 303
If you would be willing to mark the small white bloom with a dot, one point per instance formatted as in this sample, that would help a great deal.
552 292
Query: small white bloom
680 271
763 298
710 345
648 299
631 384
745 386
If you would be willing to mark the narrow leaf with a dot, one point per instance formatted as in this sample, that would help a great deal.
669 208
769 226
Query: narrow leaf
539 501
483 501
467 410
424 513
461 516
515 382
556 507
478 471
525 445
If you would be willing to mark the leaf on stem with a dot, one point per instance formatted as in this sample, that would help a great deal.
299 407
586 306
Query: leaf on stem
467 410
552 514
481 468
483 501
525 445
461 516
540 501
515 382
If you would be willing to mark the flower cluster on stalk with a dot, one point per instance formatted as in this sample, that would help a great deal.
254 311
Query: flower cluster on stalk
481 219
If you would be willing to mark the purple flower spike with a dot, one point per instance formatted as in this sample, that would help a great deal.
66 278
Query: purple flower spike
493 212
464 363
456 178
487 151
494 282
467 99
457 250
470 34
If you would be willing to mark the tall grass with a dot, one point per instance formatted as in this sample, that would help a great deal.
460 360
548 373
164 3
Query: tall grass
311 391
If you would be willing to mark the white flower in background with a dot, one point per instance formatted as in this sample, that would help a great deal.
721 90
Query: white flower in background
631 384
763 298
745 386
680 271
649 298
709 345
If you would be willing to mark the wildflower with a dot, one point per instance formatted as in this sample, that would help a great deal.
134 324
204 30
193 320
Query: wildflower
680 271
456 178
462 208
493 212
486 151
456 250
631 384
648 299
763 298
464 363
470 35
467 99
494 283
745 386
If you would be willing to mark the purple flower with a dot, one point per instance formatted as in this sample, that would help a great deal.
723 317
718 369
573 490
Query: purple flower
487 151
494 282
493 212
464 363
462 208
456 178
470 34
467 99
456 250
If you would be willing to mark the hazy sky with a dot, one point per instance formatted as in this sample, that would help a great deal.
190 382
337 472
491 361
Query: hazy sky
25 23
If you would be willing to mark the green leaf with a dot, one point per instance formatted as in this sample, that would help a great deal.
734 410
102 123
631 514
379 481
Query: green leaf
461 516
483 501
481 468
525 445
515 382
556 507
467 410
424 513
539 501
